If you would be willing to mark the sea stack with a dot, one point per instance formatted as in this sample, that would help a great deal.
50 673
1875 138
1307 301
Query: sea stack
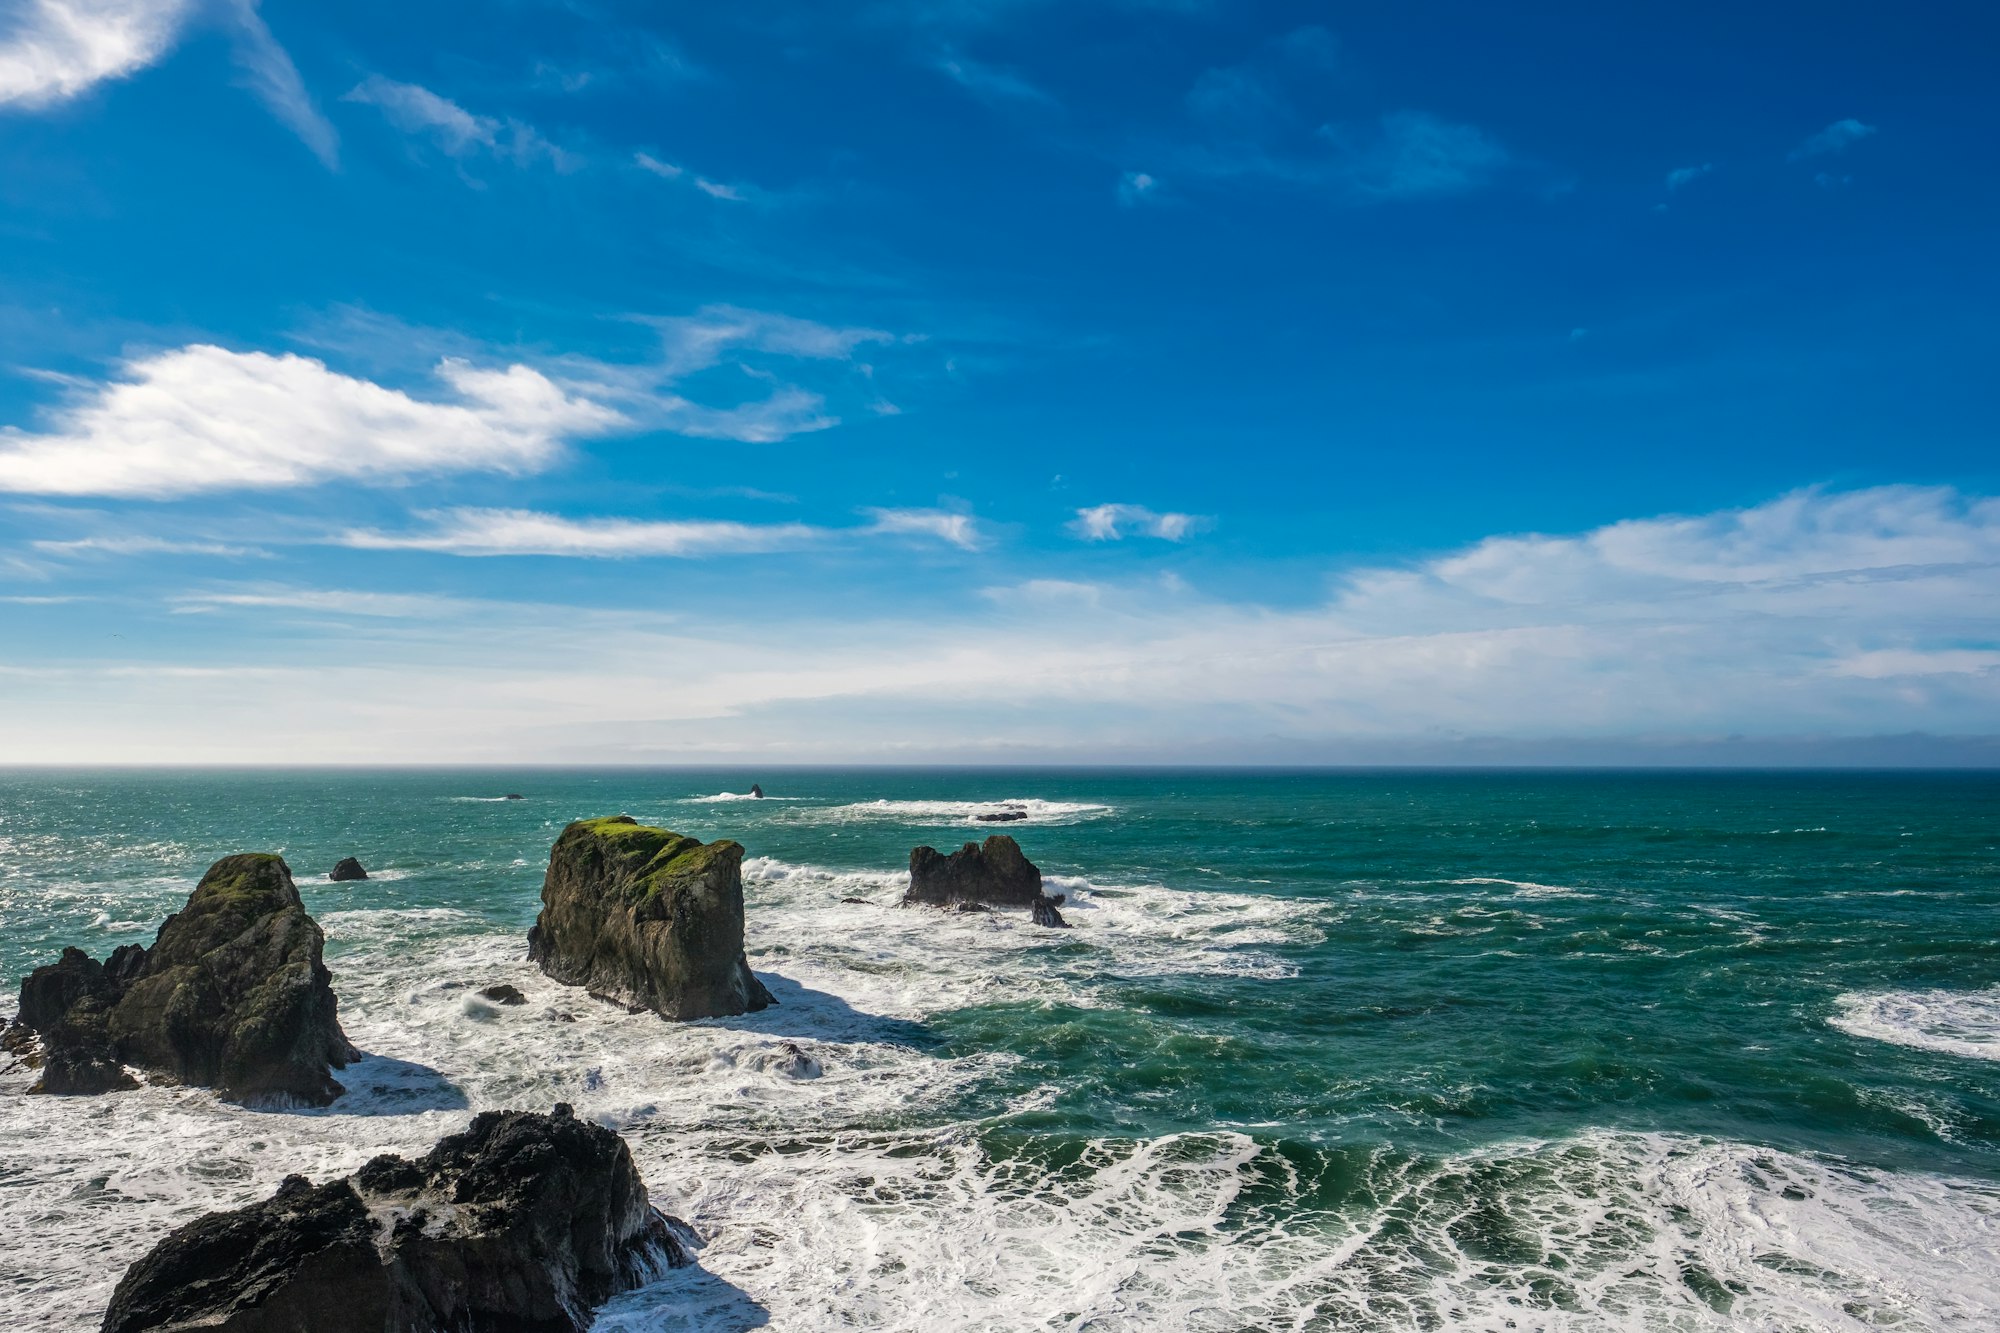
756 792
347 869
232 995
994 874
523 1221
647 919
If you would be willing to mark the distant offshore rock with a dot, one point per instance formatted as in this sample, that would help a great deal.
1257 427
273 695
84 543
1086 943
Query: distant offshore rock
1001 817
232 995
522 1222
347 869
513 796
647 919
756 792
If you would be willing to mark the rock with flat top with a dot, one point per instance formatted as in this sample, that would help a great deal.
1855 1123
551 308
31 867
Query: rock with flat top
647 919
523 1223
233 994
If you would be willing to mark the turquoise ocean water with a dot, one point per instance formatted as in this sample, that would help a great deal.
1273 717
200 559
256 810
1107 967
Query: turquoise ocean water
1359 1050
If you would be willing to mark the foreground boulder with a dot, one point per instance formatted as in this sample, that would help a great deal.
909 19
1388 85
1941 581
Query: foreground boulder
232 995
347 868
523 1222
647 919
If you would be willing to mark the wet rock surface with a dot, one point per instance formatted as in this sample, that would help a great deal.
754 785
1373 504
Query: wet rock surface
233 994
647 919
524 1223
347 868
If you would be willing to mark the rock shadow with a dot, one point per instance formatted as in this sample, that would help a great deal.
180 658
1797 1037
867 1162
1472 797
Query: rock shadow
807 1014
687 1300
384 1085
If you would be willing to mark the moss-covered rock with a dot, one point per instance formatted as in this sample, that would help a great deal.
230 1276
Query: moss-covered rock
647 919
233 995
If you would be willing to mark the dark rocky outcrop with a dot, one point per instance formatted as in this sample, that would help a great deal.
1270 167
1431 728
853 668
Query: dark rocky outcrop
756 792
513 796
1001 817
524 1223
647 919
232 995
994 873
977 877
347 869
503 994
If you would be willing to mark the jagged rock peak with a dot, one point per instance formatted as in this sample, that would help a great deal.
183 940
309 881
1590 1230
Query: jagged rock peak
233 994
521 1222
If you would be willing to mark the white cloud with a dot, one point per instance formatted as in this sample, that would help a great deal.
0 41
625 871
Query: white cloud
493 532
961 530
1136 187
1835 138
202 418
664 170
417 110
1111 522
1815 614
718 190
275 80
496 532
54 50
1682 177
329 601
141 545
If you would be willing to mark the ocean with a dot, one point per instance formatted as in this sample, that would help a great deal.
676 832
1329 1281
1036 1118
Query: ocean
1324 1050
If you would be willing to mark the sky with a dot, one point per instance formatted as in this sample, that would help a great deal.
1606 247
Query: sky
998 381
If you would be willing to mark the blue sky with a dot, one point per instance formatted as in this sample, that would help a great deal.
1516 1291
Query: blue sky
996 380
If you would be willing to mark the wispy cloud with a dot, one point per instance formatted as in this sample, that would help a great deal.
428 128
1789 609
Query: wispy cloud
142 545
1112 522
1137 187
672 171
459 133
58 49
203 418
1411 154
990 83
1682 177
271 75
330 601
518 532
1835 138
961 530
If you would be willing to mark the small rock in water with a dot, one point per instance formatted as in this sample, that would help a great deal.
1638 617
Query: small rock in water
347 869
1003 817
503 994
756 792
513 796
858 902
795 1063
1047 915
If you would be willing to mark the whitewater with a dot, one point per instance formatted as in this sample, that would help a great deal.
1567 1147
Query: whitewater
1319 1053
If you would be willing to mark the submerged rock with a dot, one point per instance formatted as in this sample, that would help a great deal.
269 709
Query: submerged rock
995 874
522 1222
647 919
1001 817
503 994
348 868
513 796
233 995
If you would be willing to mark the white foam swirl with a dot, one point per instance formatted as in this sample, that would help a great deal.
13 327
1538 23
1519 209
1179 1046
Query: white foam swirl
1963 1023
